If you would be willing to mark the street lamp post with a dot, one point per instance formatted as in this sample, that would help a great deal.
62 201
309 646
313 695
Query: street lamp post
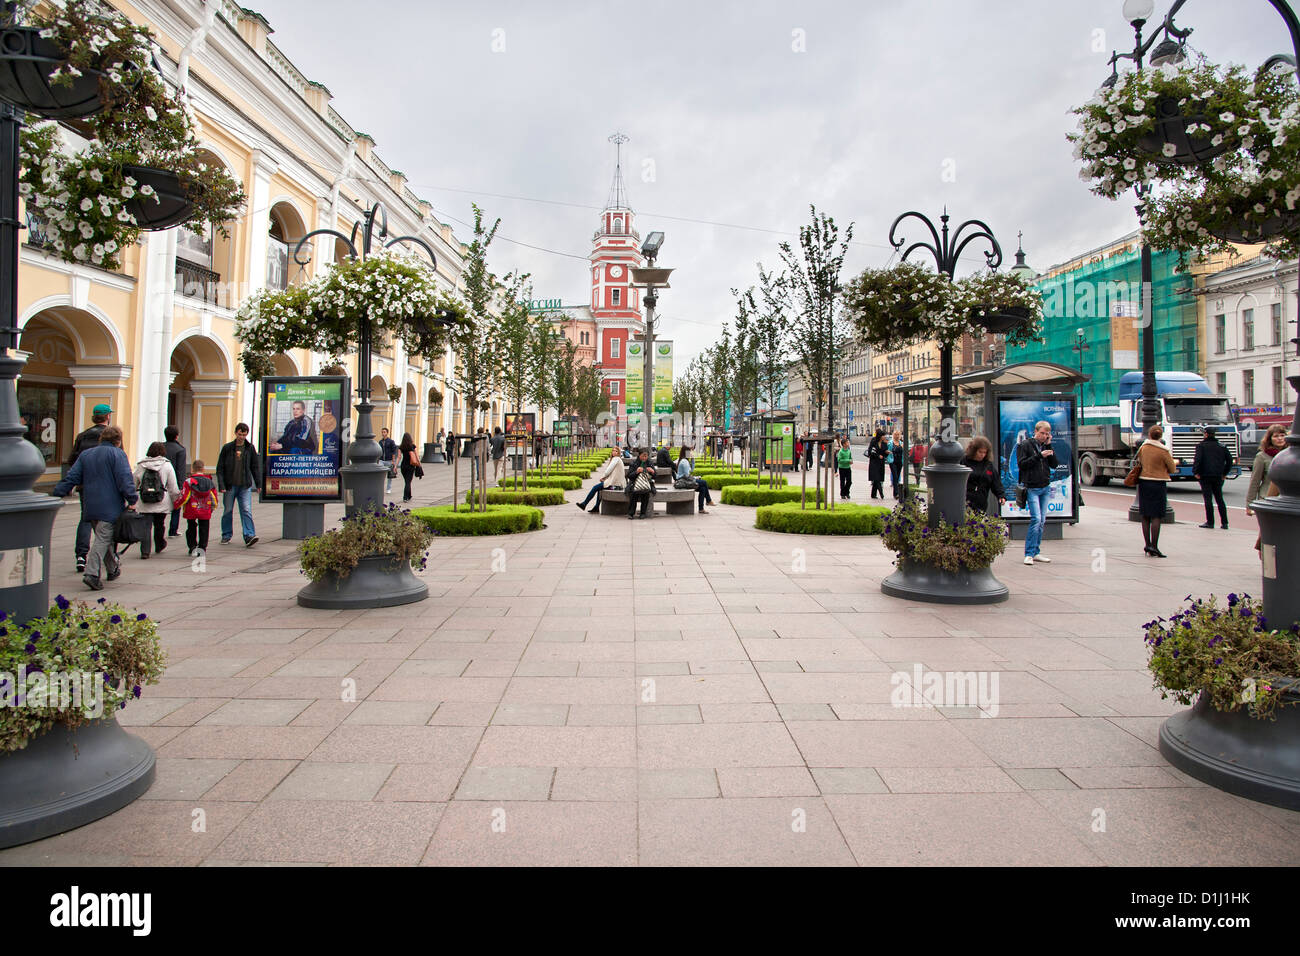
652 279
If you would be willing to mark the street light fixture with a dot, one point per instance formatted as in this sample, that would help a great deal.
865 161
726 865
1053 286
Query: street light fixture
652 279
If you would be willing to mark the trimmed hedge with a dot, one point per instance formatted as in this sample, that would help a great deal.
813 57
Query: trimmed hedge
752 497
845 519
540 496
566 482
498 519
724 481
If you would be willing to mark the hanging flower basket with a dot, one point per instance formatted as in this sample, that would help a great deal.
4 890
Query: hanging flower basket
162 199
1000 303
1182 140
27 61
895 307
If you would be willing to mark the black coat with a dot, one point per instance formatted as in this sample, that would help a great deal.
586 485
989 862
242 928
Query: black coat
876 460
229 476
175 452
1212 459
982 479
1035 468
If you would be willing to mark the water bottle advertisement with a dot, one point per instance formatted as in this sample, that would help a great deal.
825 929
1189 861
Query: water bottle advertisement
1017 418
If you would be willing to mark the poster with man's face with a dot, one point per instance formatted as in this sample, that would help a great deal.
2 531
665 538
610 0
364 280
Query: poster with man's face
302 431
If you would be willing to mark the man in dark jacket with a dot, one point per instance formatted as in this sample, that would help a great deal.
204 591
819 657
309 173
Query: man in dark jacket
100 416
388 457
175 453
238 472
1035 459
104 475
1210 465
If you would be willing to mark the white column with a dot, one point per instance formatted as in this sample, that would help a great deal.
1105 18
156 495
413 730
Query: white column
259 210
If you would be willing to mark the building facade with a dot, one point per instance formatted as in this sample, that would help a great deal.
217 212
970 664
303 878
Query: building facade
155 338
889 370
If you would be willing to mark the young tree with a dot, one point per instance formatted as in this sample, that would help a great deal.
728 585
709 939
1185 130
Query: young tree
589 397
474 340
770 325
818 326
512 343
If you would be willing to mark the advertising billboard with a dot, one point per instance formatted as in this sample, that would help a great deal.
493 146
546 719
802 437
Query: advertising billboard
303 423
635 376
520 423
663 377
780 452
1016 419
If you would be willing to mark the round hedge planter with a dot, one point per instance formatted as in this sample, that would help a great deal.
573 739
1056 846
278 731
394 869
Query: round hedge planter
376 581
498 519
750 497
1235 752
920 582
538 497
846 519
67 778
725 481
565 482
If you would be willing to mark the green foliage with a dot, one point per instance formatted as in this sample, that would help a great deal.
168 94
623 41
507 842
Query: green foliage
752 497
845 519
970 546
497 519
724 480
257 366
566 482
533 496
474 342
1227 652
118 648
381 531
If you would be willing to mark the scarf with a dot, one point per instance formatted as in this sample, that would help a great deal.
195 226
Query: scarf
1272 450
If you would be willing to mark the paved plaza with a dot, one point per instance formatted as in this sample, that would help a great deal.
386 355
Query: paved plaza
679 691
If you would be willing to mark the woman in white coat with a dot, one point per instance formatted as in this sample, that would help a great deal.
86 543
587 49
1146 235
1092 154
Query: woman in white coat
155 482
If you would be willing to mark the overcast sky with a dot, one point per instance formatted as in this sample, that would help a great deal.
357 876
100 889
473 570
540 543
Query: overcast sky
742 130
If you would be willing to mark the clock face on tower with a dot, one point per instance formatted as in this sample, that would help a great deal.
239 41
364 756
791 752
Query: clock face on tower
615 271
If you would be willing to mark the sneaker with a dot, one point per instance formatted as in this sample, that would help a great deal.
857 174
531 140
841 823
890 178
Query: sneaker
1208 524
93 583
115 573
630 517
144 555
578 505
81 565
1223 527
225 541
1028 559
249 542
1042 559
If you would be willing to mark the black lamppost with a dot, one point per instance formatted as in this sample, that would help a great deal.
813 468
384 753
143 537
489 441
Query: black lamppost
947 476
363 476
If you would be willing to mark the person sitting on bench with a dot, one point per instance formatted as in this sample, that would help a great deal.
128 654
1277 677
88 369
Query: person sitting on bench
686 480
640 469
611 476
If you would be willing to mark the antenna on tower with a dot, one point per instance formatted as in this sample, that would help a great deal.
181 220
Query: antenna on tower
618 189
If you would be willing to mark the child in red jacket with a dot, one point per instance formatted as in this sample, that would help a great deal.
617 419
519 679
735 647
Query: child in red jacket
198 498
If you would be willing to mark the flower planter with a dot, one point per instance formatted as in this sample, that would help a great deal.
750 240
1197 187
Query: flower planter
67 778
1171 128
1256 759
919 582
999 321
376 581
173 205
26 61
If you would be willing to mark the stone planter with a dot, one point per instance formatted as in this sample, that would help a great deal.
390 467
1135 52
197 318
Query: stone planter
377 581
26 61
1256 759
920 582
173 207
1171 127
67 778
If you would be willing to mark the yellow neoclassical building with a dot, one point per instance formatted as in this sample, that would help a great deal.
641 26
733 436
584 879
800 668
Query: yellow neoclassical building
155 339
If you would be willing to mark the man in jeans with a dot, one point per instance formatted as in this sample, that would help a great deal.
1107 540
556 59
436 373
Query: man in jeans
100 416
388 455
107 486
238 470
1036 459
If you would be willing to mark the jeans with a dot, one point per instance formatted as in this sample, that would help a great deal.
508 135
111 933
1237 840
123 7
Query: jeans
103 552
241 495
173 526
1037 501
702 487
388 463
896 479
595 490
1212 492
196 533
85 528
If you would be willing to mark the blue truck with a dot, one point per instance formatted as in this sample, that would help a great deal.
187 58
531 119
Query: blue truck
1187 406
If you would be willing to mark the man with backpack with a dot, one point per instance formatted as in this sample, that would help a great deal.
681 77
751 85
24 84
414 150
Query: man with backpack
175 452
100 416
198 498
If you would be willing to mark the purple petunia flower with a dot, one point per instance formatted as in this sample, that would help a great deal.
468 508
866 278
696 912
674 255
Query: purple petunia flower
94 655
62 602
115 619
102 601
1218 661
142 617
30 648
136 690
1175 653
1232 600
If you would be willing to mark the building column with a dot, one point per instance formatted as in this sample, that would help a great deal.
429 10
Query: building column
96 384
259 210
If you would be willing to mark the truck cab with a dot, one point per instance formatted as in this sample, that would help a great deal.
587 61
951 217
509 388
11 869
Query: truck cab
1187 407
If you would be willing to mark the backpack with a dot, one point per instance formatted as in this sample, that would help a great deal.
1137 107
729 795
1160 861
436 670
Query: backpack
151 487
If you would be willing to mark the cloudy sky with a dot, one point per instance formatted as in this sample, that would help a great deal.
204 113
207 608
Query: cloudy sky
740 114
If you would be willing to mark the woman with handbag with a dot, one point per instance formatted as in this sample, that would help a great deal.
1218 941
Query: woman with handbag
640 483
410 464
685 479
1260 485
1156 466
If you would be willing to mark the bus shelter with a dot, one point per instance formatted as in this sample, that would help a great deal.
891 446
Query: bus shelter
1003 404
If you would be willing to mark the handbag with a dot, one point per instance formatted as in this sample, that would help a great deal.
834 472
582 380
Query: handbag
132 527
643 484
682 484
1022 497
1131 479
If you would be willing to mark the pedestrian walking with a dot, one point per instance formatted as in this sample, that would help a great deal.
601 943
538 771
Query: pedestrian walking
155 481
1210 465
894 460
918 453
1261 486
1036 458
640 483
983 477
198 498
239 472
100 417
176 454
685 478
388 456
844 461
449 448
410 464
103 473
611 476
876 464
498 446
1157 467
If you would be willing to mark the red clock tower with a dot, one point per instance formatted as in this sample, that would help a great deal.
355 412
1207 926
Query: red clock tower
615 303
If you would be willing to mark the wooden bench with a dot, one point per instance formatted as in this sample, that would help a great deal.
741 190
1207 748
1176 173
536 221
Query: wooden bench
675 501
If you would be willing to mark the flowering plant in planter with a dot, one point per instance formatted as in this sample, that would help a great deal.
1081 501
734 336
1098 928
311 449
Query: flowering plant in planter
984 298
87 195
384 531
970 546
76 664
1227 652
897 306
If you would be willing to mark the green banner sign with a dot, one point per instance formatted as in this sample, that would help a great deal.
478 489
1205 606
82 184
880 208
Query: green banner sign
635 377
663 378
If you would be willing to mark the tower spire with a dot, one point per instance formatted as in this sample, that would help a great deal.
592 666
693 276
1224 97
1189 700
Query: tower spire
618 189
